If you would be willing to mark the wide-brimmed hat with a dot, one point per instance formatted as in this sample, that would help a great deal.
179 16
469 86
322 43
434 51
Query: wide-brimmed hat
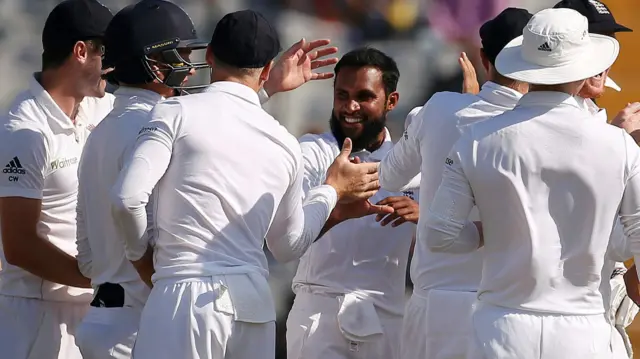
556 48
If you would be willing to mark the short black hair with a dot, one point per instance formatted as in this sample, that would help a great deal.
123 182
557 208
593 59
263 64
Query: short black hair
370 57
54 59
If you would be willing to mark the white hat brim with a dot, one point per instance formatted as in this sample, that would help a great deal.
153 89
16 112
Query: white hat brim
601 54
608 82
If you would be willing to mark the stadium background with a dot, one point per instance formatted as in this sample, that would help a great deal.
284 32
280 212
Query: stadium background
424 36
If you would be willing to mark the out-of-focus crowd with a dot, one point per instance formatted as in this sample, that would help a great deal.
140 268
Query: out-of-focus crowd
424 36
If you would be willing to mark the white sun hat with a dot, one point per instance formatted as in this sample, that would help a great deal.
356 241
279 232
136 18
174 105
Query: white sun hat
556 48
612 84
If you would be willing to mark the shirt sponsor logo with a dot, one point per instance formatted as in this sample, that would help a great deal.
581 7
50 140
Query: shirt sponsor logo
63 162
448 161
147 129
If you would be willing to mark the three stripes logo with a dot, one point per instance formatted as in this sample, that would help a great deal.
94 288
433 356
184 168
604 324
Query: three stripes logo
14 167
545 47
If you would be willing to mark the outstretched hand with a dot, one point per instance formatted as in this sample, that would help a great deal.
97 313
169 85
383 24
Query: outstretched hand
352 181
295 67
470 83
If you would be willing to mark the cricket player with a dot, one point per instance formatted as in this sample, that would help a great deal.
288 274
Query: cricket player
546 234
43 294
437 320
144 78
149 45
350 285
621 309
227 177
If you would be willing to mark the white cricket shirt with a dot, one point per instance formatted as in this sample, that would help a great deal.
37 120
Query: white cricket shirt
100 248
358 255
432 132
549 182
228 177
39 151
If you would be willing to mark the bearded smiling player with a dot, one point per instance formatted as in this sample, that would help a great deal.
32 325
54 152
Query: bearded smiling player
350 284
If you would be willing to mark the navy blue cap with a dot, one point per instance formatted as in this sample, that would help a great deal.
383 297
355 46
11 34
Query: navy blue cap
245 39
601 20
496 33
72 21
147 27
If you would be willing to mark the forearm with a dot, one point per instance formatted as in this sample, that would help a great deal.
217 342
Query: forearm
84 257
43 259
291 239
144 267
330 223
458 238
132 226
396 174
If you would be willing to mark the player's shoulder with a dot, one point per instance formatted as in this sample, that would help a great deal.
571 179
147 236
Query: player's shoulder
98 107
449 100
24 116
411 116
443 106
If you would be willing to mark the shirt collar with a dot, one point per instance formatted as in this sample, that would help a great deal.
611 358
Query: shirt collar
500 95
591 107
126 95
236 89
379 154
55 116
549 99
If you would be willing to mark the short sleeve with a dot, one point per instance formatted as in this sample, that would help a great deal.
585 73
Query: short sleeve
23 157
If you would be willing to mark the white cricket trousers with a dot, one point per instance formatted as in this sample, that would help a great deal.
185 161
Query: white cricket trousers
504 333
38 329
320 327
108 333
437 324
185 320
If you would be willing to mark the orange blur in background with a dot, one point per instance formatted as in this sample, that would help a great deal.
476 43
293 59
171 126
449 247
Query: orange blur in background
626 73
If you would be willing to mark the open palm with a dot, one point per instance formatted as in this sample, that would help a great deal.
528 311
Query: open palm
295 67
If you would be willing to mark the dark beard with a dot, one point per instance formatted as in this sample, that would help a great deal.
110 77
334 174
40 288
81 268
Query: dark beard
370 132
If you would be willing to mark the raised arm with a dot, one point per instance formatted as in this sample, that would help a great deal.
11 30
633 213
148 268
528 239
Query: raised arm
402 164
298 222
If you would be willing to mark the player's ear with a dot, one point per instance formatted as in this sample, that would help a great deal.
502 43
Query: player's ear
264 75
392 100
209 56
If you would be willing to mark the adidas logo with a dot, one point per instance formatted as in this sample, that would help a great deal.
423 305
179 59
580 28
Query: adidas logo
545 47
14 167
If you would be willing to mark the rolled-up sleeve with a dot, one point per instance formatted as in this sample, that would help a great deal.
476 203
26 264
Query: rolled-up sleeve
402 164
447 226
141 172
